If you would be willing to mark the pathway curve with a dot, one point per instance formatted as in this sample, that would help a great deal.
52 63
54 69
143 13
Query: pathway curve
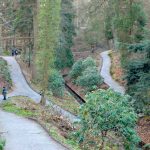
105 73
23 89
24 134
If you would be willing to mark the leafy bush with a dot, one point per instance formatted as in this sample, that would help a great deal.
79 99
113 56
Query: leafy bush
89 62
90 78
86 74
6 53
56 83
107 113
76 69
4 72
2 144
80 66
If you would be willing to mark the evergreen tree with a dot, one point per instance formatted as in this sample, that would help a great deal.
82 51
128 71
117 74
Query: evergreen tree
64 56
49 21
138 76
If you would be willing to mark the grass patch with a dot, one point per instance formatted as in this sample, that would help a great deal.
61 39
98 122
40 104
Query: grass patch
67 102
11 107
58 127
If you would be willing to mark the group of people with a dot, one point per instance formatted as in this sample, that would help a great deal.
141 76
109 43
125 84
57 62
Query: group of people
14 51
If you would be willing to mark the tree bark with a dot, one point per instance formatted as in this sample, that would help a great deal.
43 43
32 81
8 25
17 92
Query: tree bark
104 134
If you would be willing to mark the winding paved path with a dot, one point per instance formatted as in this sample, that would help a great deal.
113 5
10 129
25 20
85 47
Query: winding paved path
23 89
24 134
105 73
20 133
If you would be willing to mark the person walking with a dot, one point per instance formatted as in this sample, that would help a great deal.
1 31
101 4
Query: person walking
16 52
4 93
12 52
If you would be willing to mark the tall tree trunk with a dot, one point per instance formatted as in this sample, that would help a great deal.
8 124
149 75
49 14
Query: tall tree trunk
1 47
131 28
45 81
104 134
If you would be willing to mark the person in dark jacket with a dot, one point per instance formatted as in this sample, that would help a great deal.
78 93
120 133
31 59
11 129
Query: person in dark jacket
16 52
12 52
4 93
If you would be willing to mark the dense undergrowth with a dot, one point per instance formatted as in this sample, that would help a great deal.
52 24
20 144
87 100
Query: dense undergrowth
5 79
85 74
2 144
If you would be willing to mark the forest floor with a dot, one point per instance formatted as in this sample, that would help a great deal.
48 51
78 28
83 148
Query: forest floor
143 129
116 69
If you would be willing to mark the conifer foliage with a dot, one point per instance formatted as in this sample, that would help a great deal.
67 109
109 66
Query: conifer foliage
49 19
64 56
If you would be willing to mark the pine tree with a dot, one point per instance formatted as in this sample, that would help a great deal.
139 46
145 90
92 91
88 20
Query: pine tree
64 56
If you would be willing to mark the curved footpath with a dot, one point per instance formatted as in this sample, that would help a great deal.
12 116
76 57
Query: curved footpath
23 89
105 73
24 134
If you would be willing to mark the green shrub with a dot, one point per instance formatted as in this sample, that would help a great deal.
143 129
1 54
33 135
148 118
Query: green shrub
80 66
89 62
76 69
4 72
56 83
2 144
6 53
146 147
108 113
90 78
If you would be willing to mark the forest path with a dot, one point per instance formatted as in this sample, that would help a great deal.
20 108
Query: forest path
24 134
105 73
21 88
